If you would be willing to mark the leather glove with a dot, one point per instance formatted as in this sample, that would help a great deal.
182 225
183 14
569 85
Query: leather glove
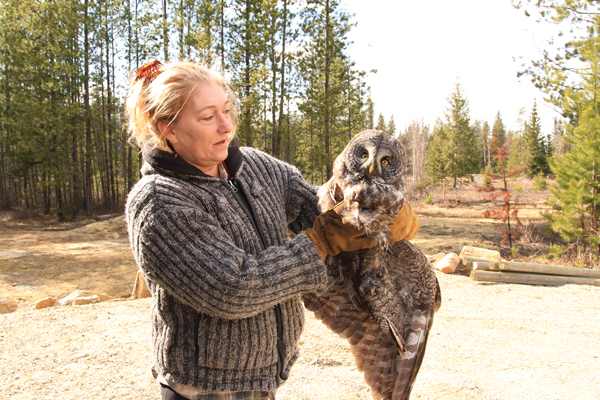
332 236
405 225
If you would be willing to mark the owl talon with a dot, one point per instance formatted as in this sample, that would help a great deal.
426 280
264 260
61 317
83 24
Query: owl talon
370 291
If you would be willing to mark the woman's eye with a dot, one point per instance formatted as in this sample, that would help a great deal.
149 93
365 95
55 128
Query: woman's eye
208 118
364 155
385 162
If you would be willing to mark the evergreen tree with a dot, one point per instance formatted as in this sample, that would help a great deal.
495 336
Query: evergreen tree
536 148
557 142
497 141
482 133
436 164
391 128
325 67
370 114
462 157
381 125
574 88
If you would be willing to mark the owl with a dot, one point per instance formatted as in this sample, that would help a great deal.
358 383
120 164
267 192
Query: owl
382 300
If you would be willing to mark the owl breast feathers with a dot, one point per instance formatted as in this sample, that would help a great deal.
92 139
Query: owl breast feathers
382 300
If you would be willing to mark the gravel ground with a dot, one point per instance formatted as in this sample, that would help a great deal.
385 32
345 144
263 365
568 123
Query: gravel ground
489 341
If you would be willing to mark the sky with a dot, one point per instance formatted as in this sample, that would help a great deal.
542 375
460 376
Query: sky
421 48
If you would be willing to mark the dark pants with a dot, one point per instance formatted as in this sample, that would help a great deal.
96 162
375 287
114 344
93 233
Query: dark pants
169 394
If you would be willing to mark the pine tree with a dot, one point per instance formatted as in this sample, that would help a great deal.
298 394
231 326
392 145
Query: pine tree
381 125
536 148
461 148
391 128
325 66
370 114
497 141
574 88
436 164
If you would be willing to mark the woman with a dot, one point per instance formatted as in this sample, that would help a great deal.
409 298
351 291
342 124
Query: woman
210 225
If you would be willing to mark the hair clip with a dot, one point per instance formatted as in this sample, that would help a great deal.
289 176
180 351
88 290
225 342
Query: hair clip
148 71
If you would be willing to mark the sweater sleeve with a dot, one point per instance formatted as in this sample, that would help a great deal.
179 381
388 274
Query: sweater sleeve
186 252
301 205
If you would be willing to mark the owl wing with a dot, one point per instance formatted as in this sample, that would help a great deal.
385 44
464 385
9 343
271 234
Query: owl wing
389 372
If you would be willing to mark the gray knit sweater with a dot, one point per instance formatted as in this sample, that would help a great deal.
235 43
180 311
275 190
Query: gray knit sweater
226 314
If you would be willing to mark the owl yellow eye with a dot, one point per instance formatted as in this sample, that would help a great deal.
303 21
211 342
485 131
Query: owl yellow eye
364 155
385 162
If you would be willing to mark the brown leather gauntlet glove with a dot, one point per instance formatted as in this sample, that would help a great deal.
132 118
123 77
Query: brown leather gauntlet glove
405 225
332 236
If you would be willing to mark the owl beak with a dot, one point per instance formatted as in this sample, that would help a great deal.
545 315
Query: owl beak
371 169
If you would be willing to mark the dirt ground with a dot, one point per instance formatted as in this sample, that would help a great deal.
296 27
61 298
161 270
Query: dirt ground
41 258
489 341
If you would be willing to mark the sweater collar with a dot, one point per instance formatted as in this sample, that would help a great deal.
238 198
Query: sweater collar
170 162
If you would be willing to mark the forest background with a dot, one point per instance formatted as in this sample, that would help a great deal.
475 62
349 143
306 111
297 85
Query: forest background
65 67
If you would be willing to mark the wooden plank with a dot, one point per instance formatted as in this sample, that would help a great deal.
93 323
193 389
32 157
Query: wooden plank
469 251
531 279
481 265
468 261
549 269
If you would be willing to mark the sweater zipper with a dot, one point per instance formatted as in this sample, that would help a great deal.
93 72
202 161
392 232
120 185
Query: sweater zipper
247 207
280 346
278 314
230 181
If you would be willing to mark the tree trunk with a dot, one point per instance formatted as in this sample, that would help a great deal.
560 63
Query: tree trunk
327 126
88 123
165 32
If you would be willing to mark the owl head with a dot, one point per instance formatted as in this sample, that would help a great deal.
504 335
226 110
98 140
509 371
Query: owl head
370 174
373 156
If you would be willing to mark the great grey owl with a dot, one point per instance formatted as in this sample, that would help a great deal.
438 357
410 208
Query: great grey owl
382 300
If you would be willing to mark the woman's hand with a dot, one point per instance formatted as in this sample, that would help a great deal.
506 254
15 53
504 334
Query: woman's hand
332 236
405 225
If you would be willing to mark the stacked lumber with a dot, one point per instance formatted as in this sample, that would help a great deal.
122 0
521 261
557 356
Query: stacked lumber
498 270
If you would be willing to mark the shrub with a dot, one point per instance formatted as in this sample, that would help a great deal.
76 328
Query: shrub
557 251
429 199
539 182
517 188
487 182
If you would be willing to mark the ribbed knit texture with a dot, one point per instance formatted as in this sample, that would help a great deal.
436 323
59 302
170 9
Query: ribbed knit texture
213 282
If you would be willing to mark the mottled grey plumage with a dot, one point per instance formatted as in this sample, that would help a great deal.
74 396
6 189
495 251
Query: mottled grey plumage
384 298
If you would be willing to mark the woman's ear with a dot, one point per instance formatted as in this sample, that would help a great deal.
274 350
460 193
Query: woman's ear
167 131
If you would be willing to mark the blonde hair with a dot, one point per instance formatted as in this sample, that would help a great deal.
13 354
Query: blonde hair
165 97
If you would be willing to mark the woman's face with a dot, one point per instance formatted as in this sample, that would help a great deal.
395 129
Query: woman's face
201 135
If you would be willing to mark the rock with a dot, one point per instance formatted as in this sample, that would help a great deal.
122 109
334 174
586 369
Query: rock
448 264
80 297
45 303
81 246
468 251
104 297
8 305
86 300
7 254
435 258
140 287
68 300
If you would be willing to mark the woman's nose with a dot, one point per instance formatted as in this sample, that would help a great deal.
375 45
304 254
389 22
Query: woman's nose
224 123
